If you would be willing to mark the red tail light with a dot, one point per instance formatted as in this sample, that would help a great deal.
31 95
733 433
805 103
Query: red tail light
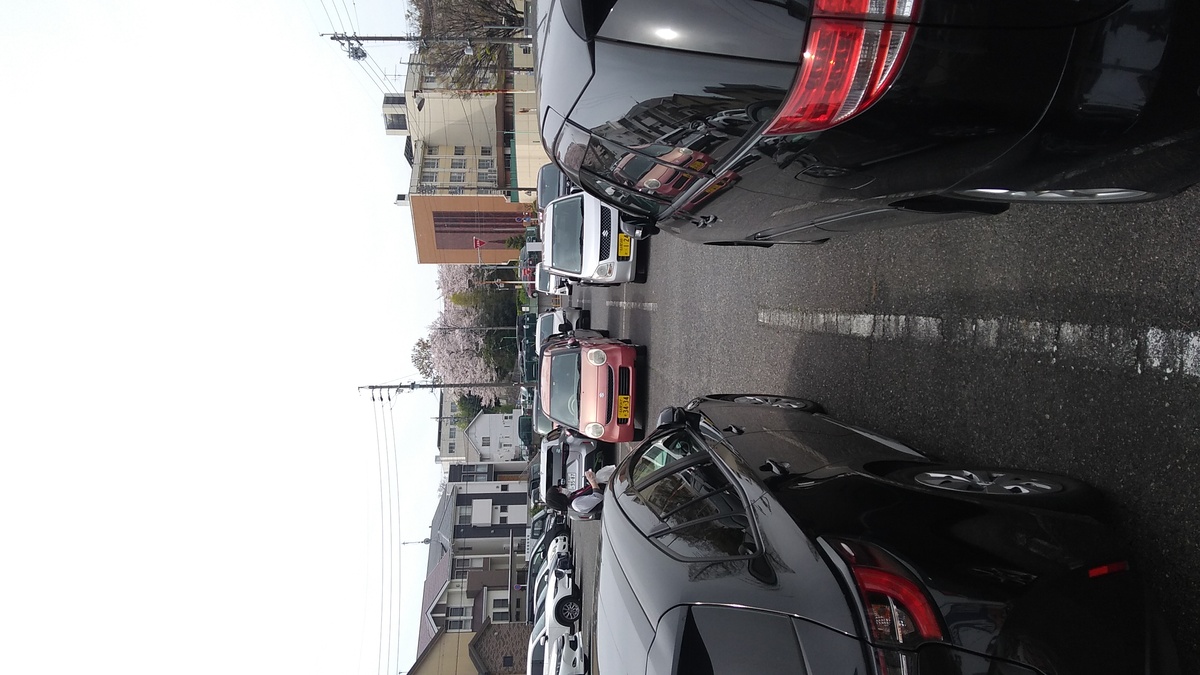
897 609
853 53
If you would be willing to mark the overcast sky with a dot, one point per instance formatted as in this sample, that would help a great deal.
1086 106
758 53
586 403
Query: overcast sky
200 264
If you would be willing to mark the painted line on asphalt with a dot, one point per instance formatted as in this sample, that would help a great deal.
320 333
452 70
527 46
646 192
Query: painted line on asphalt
645 306
1138 349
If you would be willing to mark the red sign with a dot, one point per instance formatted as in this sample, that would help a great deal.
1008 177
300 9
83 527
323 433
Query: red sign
478 242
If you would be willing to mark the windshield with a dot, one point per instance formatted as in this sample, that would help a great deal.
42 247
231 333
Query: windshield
566 219
564 387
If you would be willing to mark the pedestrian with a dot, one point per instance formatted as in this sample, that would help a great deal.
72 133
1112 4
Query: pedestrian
587 498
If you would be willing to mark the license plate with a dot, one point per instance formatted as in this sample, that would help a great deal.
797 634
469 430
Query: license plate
623 408
697 165
624 245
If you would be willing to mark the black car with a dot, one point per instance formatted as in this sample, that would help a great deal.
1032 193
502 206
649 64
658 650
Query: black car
752 534
754 122
552 183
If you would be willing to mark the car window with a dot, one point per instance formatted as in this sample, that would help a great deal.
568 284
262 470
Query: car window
705 516
564 387
662 452
566 217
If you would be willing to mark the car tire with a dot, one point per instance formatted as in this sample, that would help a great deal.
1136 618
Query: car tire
786 402
1033 488
569 610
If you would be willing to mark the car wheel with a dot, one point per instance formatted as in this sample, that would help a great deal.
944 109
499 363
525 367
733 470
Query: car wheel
787 402
568 610
1092 196
1035 488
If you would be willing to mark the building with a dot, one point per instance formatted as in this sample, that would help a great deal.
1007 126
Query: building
476 573
475 160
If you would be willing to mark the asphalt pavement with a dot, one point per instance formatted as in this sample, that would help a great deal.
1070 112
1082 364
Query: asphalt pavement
1057 338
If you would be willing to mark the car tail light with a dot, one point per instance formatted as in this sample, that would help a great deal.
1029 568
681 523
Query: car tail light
896 608
854 51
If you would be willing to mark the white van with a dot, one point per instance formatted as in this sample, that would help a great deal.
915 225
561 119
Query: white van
583 241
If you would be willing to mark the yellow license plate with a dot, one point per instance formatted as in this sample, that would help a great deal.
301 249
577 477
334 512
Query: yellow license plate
624 245
697 165
623 408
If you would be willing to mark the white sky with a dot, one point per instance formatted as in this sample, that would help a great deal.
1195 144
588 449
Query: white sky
200 262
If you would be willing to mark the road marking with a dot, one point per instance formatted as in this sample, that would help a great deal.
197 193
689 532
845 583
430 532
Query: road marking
623 304
1138 349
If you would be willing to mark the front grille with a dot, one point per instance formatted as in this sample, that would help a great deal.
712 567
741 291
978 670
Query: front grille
605 233
612 400
682 181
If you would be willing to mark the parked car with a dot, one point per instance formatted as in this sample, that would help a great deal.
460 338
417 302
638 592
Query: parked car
564 602
547 282
535 661
552 183
567 656
829 117
756 520
566 455
588 383
583 241
560 320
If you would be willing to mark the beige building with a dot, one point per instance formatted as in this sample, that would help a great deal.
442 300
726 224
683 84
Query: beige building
475 160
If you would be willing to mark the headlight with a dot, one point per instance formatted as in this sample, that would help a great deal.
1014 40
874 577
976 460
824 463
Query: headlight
594 429
604 270
597 357
651 184
686 152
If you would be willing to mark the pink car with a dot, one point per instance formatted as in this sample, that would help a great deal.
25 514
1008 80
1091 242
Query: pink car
588 383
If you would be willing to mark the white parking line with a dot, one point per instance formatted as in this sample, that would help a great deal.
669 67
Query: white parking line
1137 349
645 306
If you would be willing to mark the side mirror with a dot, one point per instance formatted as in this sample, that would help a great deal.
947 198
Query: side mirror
678 416
637 228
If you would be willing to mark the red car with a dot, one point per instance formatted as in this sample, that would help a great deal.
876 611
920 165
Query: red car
588 383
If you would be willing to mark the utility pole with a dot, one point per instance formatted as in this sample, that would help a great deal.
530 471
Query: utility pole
412 386
353 43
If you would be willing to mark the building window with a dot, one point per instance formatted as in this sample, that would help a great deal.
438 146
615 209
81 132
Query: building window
458 177
456 611
450 448
500 603
458 163
428 177
453 406
504 488
503 520
487 441
458 625
508 662
460 149
453 432
485 151
487 164
484 178
428 81
430 164
457 191
500 616
503 508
